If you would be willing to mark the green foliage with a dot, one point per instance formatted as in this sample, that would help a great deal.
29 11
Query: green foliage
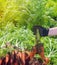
50 45
28 12
17 37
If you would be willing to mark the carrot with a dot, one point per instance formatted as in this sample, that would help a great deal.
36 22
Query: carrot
23 57
0 61
3 61
33 52
7 58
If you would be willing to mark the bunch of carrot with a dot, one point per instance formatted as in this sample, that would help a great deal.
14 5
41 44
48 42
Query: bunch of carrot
10 59
24 57
18 58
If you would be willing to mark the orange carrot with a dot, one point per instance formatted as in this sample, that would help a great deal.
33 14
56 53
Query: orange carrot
0 61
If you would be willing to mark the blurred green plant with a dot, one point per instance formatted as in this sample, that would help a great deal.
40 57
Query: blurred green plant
50 45
17 37
28 13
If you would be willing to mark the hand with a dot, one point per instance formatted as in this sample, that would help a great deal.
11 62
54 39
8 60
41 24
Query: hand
43 31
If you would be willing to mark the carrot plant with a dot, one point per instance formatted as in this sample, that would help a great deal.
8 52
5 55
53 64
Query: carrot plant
17 18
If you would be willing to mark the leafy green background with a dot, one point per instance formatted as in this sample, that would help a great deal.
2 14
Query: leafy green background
17 18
